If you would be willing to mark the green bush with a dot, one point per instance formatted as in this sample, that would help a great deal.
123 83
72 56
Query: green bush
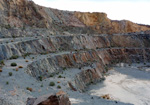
10 73
59 87
14 57
106 68
26 54
52 84
13 64
2 62
7 83
64 68
40 78
51 75
59 76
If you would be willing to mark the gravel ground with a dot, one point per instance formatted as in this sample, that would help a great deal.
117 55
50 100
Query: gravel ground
125 84
13 88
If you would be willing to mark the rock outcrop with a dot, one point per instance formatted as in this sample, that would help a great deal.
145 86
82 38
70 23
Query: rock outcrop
59 98
77 51
25 18
61 40
87 50
71 43
101 24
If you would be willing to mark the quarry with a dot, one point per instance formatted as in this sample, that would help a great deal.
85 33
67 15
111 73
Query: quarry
55 57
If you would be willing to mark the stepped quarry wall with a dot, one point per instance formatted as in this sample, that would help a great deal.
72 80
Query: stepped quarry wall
69 40
78 51
71 43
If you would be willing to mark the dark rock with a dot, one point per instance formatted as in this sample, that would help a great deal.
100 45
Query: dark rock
30 101
59 98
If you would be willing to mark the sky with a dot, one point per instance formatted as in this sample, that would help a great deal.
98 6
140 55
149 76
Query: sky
134 10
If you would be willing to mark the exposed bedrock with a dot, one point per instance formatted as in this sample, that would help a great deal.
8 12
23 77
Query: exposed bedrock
79 51
102 58
25 18
72 43
60 98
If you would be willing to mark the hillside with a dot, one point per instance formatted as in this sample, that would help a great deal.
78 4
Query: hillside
25 18
93 59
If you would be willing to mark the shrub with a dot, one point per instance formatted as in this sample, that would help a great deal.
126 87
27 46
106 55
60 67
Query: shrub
14 57
26 54
13 64
1 70
64 68
59 76
2 62
13 36
51 75
10 73
52 84
59 87
40 78
30 89
20 67
106 68
7 83
27 61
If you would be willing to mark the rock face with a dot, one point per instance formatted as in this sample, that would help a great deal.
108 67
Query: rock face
88 50
77 51
101 24
24 18
59 98
72 43
87 77
62 40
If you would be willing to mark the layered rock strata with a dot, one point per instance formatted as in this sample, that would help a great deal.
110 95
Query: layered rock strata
71 43
78 51
25 18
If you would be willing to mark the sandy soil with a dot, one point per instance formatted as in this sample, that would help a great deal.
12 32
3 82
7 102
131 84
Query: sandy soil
13 88
125 84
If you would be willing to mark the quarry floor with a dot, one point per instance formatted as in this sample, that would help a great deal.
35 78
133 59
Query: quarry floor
125 85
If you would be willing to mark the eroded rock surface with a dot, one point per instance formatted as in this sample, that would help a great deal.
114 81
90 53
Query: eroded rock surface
25 18
59 98
54 41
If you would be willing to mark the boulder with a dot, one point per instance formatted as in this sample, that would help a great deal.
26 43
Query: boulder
59 98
